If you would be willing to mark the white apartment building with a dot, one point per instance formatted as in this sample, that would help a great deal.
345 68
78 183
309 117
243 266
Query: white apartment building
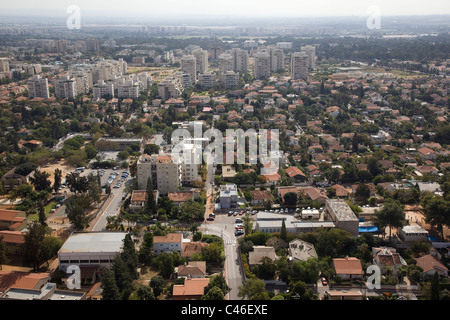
128 89
230 79
83 81
299 65
284 45
102 89
189 66
170 88
225 63
201 59
240 60
311 53
207 80
276 59
65 87
262 65
161 168
4 65
38 87
32 69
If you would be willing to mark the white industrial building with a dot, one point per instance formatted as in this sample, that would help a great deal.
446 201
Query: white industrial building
90 249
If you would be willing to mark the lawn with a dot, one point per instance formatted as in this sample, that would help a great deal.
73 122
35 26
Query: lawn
47 208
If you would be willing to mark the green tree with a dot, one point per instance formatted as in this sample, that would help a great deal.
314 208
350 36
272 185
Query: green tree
57 177
129 256
218 281
215 293
391 214
124 279
164 262
157 285
300 292
437 211
145 293
34 239
253 289
290 199
283 231
50 248
3 252
40 180
77 210
435 286
109 286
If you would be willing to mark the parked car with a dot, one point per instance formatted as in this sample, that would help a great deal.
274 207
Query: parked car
239 232
210 219
324 281
230 213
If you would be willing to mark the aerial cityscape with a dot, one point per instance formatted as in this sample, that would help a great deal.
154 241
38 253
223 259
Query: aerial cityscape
191 151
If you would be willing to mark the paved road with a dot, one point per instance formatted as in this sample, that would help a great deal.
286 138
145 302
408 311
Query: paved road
223 226
112 206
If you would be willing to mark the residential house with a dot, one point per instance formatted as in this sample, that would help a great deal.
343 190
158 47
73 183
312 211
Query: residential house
192 247
300 250
387 259
13 178
430 265
259 197
341 191
168 243
193 269
314 194
348 268
296 174
181 197
427 153
260 252
427 170
139 199
192 289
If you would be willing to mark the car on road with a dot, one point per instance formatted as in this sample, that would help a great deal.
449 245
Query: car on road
238 220
239 233
324 281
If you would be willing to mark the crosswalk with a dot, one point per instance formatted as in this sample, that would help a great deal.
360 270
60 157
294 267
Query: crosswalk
229 242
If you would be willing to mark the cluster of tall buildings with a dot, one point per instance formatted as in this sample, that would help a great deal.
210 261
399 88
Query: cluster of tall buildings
105 78
272 59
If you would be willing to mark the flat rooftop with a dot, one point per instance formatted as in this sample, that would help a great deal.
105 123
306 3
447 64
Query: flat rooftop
341 210
94 242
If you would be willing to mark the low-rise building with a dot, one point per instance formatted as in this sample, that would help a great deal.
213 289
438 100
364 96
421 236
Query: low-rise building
91 249
300 250
341 213
168 243
348 268
192 289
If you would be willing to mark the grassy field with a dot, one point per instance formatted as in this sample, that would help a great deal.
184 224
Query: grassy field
47 208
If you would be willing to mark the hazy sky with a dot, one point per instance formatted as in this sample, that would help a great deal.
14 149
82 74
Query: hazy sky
256 8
